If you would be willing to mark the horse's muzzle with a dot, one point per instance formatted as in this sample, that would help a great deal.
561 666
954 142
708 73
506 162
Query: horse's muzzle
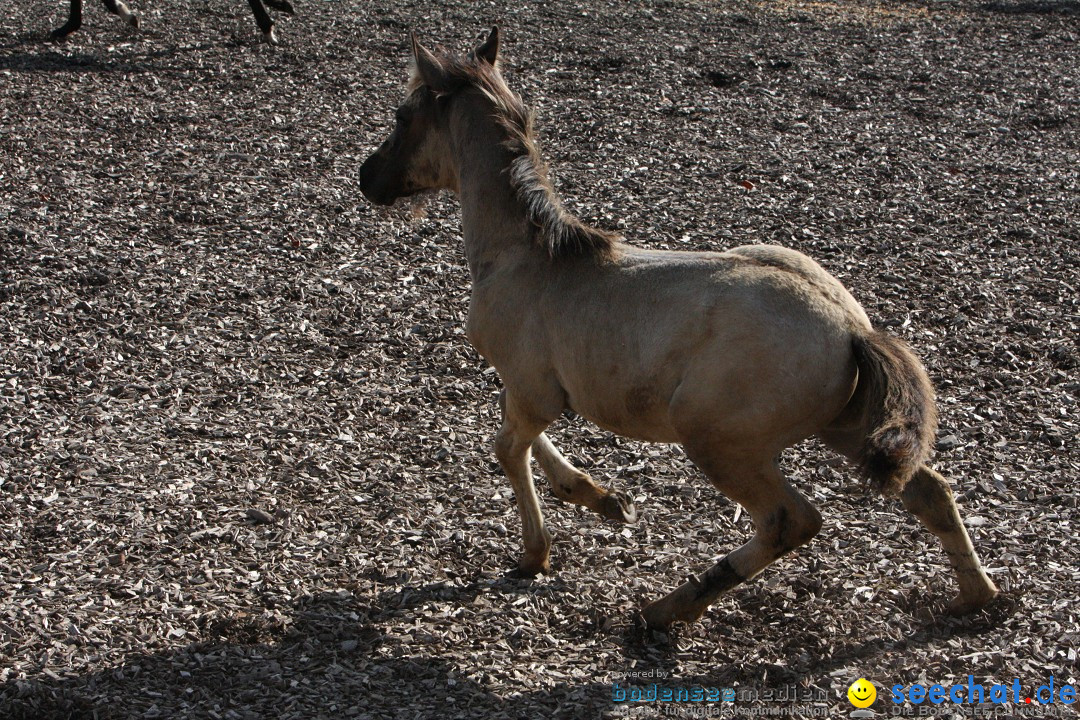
373 181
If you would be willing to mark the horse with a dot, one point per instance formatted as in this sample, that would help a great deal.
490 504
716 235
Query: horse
118 7
734 355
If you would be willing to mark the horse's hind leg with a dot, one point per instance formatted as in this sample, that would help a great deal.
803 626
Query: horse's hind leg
928 497
783 521
572 485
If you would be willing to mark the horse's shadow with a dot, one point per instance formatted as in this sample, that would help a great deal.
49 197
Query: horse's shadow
39 57
329 656
156 52
342 654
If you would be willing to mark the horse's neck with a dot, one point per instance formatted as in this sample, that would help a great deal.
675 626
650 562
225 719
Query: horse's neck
494 221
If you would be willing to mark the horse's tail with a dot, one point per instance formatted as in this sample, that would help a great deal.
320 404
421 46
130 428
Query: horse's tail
893 409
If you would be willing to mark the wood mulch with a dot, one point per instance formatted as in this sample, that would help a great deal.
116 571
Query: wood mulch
245 447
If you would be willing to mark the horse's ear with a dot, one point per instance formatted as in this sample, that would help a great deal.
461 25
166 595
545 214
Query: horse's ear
428 67
489 50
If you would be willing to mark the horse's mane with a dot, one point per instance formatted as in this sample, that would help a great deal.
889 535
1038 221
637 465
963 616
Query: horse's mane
558 231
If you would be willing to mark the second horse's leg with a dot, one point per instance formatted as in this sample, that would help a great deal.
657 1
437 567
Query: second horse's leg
117 7
74 21
928 497
262 19
281 6
572 485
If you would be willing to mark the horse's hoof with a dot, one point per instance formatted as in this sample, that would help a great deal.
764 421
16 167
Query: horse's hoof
967 604
526 571
656 617
270 37
642 631
661 614
133 21
619 506
531 565
680 605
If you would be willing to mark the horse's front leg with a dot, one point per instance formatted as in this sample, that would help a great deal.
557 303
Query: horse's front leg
281 6
572 485
512 442
116 7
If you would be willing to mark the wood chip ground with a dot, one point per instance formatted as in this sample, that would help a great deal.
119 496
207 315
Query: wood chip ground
245 447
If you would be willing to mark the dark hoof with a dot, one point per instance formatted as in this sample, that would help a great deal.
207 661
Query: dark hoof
133 21
655 617
528 573
652 634
619 506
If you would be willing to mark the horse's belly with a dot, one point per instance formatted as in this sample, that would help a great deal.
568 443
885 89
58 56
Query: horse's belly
632 414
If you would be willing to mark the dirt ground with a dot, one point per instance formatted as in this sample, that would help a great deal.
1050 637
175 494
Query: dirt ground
245 447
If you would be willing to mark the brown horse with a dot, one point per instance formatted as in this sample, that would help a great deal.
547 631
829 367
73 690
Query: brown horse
734 355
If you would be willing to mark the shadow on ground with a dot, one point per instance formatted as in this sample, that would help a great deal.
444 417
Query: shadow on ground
41 58
328 658
342 655
1039 7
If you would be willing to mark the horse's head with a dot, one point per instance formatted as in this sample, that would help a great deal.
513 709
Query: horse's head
416 156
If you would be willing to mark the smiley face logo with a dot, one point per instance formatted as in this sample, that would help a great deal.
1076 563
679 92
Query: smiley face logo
862 693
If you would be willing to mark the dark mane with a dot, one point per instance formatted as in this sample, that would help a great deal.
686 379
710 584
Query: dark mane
558 231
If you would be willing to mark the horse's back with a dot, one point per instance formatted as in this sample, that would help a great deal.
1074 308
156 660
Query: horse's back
786 280
758 335
808 271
